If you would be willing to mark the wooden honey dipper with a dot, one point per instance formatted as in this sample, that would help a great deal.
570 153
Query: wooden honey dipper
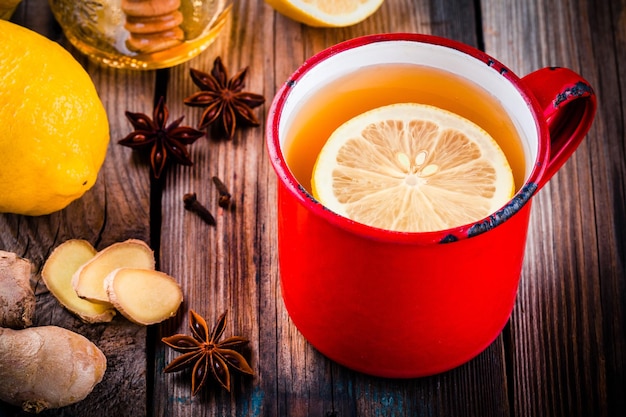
153 24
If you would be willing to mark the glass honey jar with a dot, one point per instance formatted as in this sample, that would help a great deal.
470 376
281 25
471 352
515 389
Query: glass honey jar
141 34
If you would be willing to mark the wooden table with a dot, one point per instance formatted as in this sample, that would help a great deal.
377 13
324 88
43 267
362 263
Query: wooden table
563 352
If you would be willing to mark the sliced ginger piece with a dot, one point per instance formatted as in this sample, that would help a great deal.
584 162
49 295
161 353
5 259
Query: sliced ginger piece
143 296
88 280
57 274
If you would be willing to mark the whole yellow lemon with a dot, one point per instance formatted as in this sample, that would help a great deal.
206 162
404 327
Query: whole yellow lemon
54 131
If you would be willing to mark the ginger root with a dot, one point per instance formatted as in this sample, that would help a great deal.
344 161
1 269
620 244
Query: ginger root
57 274
17 299
143 296
88 280
47 367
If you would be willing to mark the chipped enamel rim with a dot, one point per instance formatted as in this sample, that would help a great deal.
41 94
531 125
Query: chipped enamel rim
408 48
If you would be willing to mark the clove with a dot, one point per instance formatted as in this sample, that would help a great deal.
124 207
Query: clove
224 200
191 203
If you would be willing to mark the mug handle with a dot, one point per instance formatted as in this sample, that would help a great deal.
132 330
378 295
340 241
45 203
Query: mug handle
569 105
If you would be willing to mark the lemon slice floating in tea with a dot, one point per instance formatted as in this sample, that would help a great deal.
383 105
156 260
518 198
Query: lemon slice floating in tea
412 168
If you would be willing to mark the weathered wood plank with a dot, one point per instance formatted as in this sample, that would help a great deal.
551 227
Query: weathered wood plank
567 339
219 267
115 209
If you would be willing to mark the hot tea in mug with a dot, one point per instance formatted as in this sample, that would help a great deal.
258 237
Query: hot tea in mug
408 304
376 86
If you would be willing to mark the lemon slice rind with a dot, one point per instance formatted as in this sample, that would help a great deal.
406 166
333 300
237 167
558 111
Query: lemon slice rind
326 13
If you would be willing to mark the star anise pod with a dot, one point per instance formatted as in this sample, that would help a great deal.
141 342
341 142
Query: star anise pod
206 353
166 143
225 102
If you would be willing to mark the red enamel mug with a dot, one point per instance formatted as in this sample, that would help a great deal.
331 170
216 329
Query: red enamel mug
403 305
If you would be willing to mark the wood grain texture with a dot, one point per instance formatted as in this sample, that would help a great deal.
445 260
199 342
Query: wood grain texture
563 352
566 350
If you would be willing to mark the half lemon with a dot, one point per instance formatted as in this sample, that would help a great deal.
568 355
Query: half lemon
326 13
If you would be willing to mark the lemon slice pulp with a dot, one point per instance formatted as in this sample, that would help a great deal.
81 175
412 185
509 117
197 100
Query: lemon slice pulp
412 168
326 13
